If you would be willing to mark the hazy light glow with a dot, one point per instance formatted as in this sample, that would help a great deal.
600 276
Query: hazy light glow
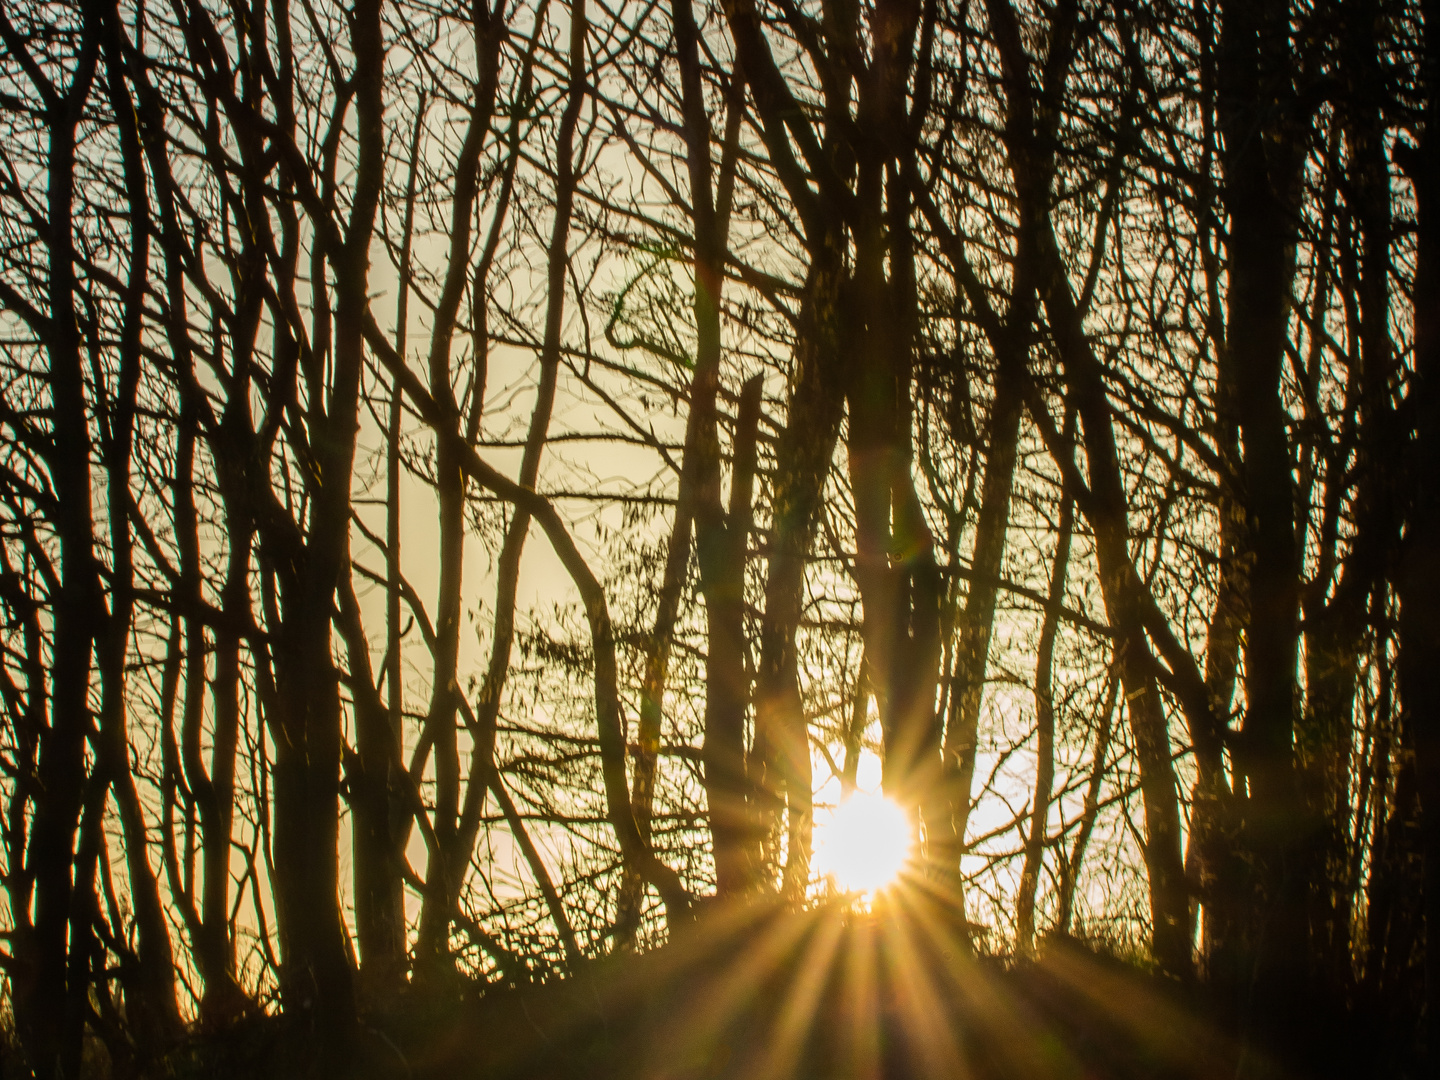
865 843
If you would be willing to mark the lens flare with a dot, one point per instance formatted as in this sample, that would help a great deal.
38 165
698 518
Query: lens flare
864 845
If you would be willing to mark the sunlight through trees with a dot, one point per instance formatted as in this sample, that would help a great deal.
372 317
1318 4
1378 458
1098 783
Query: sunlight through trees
490 487
863 844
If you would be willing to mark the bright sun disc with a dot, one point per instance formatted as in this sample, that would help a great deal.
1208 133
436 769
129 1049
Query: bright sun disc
865 844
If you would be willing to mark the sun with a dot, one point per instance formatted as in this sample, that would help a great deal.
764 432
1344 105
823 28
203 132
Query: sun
864 844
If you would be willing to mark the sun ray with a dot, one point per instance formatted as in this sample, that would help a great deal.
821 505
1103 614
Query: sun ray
1160 1025
861 1001
919 1003
1007 1027
755 952
797 1011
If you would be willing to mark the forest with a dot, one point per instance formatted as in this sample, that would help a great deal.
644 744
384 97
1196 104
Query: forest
485 484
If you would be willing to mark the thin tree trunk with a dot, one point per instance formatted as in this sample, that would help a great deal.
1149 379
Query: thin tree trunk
652 716
1090 810
855 729
1035 842
441 731
1104 504
483 774
150 1001
455 837
976 622
376 797
720 539
369 773
779 760
597 614
573 956
224 1001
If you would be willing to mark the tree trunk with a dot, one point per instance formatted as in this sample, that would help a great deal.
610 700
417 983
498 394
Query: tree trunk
1090 808
379 806
721 540
317 977
455 831
652 716
976 622
1261 173
49 993
1044 738
441 731
779 765
722 553
1125 602
150 1000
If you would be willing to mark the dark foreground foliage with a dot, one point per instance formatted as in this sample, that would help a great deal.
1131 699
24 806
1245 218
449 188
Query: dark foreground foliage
762 993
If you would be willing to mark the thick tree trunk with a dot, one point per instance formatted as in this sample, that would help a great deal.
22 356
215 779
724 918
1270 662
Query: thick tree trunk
722 555
779 766
49 992
318 980
895 565
721 539
1261 160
